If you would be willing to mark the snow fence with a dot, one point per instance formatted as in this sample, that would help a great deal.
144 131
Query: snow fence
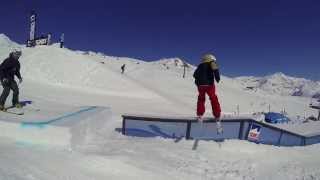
190 128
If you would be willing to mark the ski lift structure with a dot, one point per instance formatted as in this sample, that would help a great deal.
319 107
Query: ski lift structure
316 106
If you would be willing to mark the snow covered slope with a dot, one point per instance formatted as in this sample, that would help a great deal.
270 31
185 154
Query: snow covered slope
62 67
57 80
159 80
6 45
283 85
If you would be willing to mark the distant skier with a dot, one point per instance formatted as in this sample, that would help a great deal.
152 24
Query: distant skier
62 40
123 68
205 74
9 68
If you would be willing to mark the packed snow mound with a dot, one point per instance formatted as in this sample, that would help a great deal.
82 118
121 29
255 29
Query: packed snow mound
157 81
108 154
103 57
173 62
5 41
6 46
281 84
66 68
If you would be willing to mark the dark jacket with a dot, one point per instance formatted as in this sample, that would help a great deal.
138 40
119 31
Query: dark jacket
206 73
10 67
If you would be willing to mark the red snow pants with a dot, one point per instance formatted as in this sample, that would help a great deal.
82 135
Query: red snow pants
210 90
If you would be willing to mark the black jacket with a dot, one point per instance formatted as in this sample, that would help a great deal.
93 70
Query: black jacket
10 67
206 73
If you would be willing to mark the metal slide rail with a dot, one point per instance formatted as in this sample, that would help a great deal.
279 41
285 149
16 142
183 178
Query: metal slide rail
190 128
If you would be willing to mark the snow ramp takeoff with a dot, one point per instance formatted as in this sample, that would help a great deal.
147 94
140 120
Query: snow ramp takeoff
189 128
73 128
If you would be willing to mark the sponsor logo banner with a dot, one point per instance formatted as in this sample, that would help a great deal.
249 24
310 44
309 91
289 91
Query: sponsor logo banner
254 132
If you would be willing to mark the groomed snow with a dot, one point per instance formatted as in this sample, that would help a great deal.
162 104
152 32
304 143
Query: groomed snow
61 80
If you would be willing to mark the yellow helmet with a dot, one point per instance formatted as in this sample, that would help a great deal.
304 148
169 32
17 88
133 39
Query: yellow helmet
209 57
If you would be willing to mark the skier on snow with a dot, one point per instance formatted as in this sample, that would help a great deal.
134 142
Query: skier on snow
123 68
9 68
205 74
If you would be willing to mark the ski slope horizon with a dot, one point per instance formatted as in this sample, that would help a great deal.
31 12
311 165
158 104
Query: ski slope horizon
96 72
62 80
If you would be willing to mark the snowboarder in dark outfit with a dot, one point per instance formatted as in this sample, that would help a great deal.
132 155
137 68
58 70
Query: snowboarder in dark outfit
9 68
123 68
206 73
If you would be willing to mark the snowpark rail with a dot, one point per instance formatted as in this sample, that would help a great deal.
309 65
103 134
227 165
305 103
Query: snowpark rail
190 128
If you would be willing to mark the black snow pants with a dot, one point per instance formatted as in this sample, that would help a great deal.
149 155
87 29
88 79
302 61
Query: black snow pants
11 85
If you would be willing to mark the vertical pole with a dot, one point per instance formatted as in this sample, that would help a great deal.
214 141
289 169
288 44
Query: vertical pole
279 140
241 130
188 130
32 25
238 109
303 141
32 34
184 69
124 126
49 39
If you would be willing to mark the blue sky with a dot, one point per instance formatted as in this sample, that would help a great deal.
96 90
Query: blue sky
248 37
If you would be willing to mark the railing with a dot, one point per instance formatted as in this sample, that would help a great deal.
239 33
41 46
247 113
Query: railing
189 128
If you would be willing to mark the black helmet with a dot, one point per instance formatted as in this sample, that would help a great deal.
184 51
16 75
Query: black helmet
16 54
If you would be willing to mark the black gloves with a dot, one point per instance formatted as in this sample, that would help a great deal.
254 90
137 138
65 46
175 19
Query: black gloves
4 81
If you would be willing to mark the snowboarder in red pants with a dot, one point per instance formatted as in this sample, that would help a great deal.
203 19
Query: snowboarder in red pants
206 73
210 90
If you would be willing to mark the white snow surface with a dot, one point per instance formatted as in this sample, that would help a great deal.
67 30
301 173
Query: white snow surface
59 81
281 84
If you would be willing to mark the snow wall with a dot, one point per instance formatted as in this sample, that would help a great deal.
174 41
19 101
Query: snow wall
189 128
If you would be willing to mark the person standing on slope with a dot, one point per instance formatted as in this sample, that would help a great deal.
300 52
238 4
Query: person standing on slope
206 73
9 68
123 68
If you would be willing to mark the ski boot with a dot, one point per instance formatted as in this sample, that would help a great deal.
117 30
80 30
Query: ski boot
2 108
200 119
219 126
18 106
